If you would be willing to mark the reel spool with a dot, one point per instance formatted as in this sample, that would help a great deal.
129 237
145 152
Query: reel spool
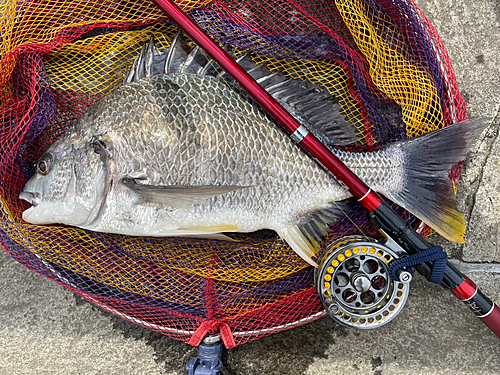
354 285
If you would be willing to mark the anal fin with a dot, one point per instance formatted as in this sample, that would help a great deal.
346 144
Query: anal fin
300 244
305 237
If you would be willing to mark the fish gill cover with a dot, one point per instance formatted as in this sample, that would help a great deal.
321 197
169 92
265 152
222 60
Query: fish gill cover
383 60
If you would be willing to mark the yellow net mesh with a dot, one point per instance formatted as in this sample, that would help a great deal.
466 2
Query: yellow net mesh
391 71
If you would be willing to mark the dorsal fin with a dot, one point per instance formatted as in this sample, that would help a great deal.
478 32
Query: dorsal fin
195 61
150 62
312 105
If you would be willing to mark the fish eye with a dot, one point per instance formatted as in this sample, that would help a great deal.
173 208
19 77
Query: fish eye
44 164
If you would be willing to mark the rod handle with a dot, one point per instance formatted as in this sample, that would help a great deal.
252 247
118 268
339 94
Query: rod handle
481 306
492 320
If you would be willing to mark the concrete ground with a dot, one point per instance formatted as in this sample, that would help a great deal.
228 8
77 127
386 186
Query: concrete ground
45 329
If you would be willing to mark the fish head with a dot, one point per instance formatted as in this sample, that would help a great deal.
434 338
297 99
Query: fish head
71 182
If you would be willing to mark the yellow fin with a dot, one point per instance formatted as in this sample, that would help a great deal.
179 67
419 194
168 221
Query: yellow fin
209 236
213 228
428 192
306 235
304 247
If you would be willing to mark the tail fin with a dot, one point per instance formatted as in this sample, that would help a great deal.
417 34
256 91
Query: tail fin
429 193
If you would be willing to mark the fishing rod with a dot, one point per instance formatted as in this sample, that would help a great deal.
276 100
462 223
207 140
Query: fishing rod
383 216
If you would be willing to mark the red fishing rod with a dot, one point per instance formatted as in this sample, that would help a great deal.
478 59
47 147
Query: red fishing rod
385 219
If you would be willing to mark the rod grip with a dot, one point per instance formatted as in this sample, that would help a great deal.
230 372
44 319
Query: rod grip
492 320
481 305
463 287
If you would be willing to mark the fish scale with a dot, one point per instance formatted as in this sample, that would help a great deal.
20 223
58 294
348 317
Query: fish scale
234 141
175 154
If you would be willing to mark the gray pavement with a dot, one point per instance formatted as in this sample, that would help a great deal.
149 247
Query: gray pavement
45 329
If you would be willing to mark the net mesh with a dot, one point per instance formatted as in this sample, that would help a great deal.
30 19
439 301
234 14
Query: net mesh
382 59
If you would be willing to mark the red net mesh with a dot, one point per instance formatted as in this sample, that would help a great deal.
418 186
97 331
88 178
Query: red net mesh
382 59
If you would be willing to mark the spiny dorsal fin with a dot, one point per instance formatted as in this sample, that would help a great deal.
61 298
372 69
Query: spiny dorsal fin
196 61
150 62
177 54
312 105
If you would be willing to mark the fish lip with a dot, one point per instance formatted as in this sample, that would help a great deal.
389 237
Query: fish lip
32 198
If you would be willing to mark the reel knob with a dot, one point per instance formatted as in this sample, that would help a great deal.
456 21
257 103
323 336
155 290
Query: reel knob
405 276
354 286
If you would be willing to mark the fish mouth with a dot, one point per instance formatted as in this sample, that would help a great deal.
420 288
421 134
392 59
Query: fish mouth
32 198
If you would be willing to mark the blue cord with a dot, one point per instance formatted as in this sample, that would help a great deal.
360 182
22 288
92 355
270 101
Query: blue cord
434 254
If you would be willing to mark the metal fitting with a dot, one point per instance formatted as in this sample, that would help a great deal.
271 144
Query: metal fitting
404 276
333 309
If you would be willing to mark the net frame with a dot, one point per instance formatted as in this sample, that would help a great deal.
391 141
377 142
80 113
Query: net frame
263 288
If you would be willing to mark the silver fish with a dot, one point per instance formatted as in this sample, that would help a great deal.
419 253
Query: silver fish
184 154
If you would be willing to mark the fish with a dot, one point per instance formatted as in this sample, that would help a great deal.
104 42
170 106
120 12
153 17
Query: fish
179 150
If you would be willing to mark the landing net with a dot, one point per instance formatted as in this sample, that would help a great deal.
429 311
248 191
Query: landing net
382 59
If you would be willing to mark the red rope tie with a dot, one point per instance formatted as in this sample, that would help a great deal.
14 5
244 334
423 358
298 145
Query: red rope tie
211 326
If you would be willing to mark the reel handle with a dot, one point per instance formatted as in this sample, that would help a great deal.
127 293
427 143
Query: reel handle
384 218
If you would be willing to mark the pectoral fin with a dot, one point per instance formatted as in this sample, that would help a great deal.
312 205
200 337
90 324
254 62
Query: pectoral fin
176 196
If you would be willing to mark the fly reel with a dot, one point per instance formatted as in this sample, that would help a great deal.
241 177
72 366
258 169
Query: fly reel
354 285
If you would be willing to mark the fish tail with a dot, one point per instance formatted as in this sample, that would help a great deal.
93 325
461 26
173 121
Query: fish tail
428 192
